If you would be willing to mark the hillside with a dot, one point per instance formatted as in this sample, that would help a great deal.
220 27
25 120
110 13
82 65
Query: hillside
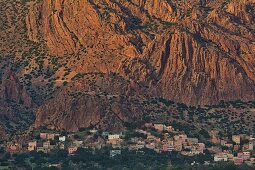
94 62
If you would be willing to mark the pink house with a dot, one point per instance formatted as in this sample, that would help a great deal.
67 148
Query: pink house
244 155
230 145
245 147
43 135
48 136
72 150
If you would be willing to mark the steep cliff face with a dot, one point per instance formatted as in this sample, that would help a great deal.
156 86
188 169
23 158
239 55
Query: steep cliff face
218 76
15 105
192 51
12 90
94 27
197 52
206 57
191 62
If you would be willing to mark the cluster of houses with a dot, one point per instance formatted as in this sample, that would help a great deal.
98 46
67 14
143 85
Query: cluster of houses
167 143
238 149
46 144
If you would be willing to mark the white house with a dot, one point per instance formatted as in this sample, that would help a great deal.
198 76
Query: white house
32 146
93 131
62 138
112 137
115 152
220 157
251 144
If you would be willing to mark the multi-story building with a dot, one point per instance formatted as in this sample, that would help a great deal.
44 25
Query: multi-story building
62 138
72 150
43 135
220 157
51 136
244 155
41 149
112 137
61 146
46 145
13 147
236 139
32 146
167 148
251 145
201 147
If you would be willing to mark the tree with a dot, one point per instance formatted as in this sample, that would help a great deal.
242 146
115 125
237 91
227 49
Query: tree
204 133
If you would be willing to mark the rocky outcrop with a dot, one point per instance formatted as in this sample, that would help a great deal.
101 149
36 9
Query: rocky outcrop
15 105
192 51
162 9
243 9
175 56
32 20
197 52
66 25
12 90
101 100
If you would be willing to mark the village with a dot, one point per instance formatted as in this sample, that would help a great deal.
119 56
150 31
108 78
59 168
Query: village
238 149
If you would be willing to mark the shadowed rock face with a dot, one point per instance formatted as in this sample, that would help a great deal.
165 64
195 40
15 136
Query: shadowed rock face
192 51
12 90
82 104
14 104
2 132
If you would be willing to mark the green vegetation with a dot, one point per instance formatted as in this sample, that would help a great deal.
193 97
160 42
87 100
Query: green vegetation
100 159
193 119
225 3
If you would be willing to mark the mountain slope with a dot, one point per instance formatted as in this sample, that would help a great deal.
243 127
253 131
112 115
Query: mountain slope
16 105
75 57
182 41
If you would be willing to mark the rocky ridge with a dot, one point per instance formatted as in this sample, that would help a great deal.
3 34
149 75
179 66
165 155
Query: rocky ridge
15 105
196 52
191 58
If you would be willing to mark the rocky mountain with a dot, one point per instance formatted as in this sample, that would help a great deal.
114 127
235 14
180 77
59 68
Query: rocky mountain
200 51
15 105
97 61
97 99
